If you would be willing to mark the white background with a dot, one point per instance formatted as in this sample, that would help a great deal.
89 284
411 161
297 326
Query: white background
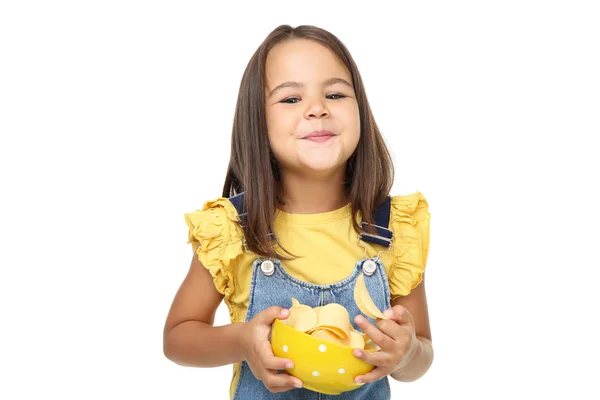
115 120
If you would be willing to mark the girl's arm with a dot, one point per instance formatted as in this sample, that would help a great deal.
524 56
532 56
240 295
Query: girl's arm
420 361
189 339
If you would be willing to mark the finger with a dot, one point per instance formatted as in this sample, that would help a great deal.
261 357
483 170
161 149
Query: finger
392 329
277 382
264 320
268 316
374 375
383 340
268 359
275 363
376 358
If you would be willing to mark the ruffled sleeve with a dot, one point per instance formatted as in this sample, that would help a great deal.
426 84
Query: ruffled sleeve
409 220
218 237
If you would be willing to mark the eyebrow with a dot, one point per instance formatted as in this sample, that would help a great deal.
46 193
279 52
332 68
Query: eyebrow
328 82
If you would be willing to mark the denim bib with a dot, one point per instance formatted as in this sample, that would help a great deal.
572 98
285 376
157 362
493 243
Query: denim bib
271 285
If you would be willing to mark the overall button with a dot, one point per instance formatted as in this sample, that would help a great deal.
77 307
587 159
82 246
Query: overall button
369 267
267 267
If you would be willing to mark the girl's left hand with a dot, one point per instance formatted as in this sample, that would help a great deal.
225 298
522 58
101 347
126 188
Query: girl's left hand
397 339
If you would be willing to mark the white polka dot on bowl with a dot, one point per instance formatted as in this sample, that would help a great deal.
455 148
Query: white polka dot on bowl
285 348
341 370
322 348
315 373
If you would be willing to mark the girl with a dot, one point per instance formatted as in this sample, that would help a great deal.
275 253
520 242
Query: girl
305 210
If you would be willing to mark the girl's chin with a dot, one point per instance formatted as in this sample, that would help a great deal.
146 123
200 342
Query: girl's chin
318 168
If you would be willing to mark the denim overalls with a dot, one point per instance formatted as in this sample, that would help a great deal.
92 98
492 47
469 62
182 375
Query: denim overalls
272 285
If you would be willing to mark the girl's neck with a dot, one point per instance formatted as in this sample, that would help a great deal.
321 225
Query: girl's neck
313 196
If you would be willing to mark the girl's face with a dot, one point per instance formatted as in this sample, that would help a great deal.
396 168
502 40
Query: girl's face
309 90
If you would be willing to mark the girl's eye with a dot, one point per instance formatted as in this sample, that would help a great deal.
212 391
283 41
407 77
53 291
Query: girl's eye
334 95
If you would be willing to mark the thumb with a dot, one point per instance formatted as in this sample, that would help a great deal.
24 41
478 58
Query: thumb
268 316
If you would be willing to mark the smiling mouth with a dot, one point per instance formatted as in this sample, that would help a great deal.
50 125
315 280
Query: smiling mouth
319 139
319 134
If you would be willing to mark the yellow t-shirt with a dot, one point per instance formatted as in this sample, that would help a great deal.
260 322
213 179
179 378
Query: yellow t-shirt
326 244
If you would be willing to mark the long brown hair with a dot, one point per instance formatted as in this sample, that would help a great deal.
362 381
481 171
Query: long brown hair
253 168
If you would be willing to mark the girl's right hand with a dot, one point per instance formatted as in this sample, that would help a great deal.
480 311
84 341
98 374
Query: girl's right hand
259 354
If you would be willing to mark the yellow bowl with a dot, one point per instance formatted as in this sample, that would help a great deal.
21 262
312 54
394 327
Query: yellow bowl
323 366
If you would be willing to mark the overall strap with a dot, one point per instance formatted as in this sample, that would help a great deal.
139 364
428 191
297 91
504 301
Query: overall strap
381 218
240 205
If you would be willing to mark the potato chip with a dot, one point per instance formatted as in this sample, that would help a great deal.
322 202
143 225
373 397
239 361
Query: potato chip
302 318
355 340
364 301
327 335
339 332
364 336
294 303
318 311
371 345
335 317
330 323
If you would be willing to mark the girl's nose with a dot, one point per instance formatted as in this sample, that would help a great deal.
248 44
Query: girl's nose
316 109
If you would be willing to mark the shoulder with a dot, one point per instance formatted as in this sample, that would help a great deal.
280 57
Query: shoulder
216 212
214 224
216 238
409 221
412 204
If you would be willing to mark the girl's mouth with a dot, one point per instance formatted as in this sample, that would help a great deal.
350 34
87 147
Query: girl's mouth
319 139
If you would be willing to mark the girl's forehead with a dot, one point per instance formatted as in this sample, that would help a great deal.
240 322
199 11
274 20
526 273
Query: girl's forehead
303 61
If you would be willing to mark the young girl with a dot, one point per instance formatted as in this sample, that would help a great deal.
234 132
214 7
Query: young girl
305 211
